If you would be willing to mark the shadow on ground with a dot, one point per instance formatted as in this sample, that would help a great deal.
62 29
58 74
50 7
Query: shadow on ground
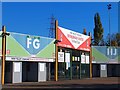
70 86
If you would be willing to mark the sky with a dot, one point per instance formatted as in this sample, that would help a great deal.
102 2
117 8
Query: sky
34 17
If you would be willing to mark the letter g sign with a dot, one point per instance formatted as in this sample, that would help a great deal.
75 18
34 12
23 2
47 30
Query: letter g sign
36 43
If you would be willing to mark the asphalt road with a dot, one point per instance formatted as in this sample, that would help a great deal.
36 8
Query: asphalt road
94 83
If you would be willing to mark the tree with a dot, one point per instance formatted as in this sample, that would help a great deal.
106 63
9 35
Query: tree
115 40
84 31
108 40
118 38
98 30
102 42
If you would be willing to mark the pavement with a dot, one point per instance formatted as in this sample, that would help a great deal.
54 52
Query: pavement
112 83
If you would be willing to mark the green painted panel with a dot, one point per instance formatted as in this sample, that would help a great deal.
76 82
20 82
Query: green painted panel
15 48
118 58
48 51
99 57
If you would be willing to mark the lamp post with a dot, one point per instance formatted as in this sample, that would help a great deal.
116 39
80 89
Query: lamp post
109 7
90 54
3 53
56 51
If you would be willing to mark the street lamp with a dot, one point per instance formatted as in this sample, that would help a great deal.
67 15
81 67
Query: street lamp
90 54
4 34
109 7
56 50
56 41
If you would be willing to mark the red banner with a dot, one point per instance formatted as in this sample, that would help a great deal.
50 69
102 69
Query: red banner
74 40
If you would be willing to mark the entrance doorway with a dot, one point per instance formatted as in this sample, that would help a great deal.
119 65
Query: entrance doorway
29 71
96 70
75 70
113 70
8 71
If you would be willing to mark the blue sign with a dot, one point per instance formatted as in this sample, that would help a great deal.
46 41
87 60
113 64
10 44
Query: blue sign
33 44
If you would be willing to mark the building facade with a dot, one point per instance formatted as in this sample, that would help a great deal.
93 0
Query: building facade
27 58
31 58
73 54
106 61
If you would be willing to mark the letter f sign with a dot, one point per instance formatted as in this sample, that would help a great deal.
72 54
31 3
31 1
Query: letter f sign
28 42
